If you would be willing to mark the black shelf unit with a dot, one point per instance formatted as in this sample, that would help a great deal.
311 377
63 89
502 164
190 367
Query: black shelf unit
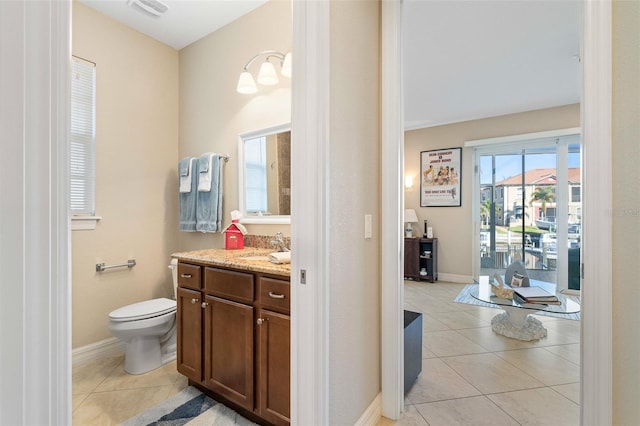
421 254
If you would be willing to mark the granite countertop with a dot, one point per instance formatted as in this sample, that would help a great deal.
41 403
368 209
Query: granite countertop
236 259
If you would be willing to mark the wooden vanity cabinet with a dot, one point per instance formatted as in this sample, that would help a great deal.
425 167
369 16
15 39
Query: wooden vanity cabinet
234 338
189 330
229 350
274 367
274 346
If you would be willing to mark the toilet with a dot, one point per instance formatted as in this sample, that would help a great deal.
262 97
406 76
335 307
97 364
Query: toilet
148 330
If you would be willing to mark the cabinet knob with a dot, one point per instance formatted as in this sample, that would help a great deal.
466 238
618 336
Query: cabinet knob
194 301
204 305
185 275
260 321
276 295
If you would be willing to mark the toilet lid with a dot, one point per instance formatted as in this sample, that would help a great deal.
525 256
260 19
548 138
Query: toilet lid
143 310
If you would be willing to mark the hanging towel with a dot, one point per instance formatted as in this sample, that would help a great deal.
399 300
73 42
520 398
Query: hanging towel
185 167
209 203
188 199
205 170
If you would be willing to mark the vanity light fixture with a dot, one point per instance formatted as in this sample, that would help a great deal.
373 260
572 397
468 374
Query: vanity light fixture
267 75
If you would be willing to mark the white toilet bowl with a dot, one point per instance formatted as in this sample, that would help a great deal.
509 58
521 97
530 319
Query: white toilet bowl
148 330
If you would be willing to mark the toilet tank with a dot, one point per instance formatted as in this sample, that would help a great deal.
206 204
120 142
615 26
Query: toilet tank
174 275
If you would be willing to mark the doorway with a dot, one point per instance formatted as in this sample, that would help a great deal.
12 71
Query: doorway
596 391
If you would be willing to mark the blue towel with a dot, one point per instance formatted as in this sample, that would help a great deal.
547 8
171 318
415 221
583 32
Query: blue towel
183 166
209 203
203 163
188 201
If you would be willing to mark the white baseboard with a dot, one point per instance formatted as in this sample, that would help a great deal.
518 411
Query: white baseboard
455 278
372 414
103 349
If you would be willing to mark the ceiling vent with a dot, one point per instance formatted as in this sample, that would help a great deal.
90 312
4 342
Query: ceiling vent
153 8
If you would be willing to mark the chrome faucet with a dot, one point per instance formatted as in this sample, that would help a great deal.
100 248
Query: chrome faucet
279 242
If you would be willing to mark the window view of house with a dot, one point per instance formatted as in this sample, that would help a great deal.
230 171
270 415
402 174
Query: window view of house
524 205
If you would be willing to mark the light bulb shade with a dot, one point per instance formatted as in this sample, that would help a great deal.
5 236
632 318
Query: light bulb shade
267 75
410 216
408 181
286 65
246 84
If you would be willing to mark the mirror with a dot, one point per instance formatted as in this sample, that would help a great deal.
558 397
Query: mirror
264 175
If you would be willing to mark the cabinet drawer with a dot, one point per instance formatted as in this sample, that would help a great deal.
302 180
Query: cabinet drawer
227 284
189 276
274 294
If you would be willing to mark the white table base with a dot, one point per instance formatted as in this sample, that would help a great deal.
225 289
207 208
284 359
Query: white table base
517 324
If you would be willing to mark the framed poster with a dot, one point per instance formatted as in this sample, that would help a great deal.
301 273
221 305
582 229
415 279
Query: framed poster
441 173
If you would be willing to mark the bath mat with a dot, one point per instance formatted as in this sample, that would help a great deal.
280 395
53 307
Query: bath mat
189 407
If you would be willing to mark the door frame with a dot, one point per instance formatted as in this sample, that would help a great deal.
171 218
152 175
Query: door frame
596 340
596 365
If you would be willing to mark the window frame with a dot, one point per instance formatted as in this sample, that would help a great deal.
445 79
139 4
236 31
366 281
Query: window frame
85 149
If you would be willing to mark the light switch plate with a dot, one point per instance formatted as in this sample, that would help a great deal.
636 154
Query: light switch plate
368 225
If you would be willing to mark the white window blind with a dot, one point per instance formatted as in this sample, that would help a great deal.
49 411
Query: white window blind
82 146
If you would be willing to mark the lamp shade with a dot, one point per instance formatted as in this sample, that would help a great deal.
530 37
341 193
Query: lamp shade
267 75
286 65
410 216
246 84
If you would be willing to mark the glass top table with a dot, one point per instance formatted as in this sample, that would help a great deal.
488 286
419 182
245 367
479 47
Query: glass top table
568 304
515 321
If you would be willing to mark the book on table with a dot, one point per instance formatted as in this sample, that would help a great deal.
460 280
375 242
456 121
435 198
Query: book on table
536 294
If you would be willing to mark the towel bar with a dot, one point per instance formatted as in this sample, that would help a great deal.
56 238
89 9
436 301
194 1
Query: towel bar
101 266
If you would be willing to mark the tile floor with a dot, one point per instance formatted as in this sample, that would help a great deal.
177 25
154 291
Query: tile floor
103 394
470 375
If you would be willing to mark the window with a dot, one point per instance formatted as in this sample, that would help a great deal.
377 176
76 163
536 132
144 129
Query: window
575 194
82 145
539 174
256 174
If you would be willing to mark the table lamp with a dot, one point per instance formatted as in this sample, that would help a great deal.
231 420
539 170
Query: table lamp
409 217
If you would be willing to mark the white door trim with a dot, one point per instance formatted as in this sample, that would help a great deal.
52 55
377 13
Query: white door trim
597 346
392 249
35 315
309 214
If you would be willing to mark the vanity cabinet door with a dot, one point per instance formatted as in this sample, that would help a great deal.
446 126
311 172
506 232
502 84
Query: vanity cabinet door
189 329
229 349
273 374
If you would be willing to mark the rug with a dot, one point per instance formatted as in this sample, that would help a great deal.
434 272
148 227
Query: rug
465 297
188 407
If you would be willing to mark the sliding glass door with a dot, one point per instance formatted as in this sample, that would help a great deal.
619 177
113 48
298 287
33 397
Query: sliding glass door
528 208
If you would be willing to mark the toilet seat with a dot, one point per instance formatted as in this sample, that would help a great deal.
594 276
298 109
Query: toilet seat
143 310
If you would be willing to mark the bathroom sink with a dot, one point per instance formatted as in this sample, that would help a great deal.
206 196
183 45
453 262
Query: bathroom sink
263 257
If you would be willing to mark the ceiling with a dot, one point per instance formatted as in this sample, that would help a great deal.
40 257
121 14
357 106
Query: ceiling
184 22
462 59
465 60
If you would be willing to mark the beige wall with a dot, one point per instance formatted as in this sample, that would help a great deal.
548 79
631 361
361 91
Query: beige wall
213 114
136 155
626 211
453 225
354 174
